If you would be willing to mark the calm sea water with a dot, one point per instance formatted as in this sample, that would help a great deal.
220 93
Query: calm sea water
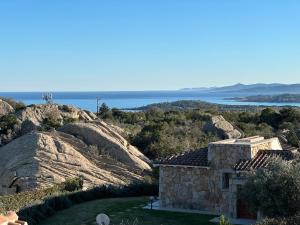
129 99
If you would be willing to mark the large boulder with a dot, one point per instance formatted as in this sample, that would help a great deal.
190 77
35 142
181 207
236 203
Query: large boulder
108 141
221 127
41 159
5 108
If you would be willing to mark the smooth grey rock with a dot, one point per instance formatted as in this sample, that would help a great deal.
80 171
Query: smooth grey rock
5 108
41 159
219 126
109 141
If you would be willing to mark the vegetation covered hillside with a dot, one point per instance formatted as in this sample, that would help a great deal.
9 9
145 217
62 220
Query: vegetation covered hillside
164 129
270 98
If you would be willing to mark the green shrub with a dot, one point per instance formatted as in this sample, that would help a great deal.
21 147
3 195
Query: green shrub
7 122
53 120
21 200
69 120
15 104
275 191
73 184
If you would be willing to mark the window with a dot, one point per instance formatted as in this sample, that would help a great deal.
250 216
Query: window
225 180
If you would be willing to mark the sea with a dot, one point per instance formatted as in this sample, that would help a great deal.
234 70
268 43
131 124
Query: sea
131 99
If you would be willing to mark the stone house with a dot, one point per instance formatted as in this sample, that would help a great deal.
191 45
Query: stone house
208 179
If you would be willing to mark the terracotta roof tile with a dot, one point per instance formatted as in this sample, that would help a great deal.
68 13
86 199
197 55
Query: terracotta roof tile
199 158
288 147
261 159
189 158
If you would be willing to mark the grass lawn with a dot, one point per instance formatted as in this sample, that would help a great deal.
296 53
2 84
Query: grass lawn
123 211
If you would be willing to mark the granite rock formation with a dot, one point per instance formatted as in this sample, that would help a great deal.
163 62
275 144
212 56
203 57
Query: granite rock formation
81 146
5 108
221 127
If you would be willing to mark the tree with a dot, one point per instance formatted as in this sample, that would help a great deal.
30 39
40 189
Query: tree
104 111
270 116
275 191
290 115
292 138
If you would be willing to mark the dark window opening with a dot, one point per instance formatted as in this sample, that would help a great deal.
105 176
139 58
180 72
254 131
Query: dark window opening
18 189
226 177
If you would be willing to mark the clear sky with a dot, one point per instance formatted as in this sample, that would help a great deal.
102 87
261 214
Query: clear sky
105 45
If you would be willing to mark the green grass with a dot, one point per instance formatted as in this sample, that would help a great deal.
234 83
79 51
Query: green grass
126 210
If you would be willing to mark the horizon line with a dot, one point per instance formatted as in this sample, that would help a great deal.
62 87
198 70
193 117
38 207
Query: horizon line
154 90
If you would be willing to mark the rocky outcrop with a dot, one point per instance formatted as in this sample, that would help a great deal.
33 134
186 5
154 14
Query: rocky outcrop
41 159
50 143
37 114
42 117
219 126
5 108
107 140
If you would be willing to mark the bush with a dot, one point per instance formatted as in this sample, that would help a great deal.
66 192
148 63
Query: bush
275 191
73 184
21 200
53 120
16 105
7 122
67 120
270 117
292 138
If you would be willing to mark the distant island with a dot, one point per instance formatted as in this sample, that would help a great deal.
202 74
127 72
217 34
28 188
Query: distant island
288 98
259 88
201 105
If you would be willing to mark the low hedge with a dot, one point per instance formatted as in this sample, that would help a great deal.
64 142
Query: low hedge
24 199
36 206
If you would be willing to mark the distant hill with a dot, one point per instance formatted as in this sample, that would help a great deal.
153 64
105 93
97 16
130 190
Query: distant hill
201 105
178 105
288 98
259 88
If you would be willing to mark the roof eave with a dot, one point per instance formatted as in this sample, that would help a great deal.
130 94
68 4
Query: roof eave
187 166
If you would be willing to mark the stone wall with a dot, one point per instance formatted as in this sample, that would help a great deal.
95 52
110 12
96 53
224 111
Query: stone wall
225 156
7 191
185 187
270 144
195 188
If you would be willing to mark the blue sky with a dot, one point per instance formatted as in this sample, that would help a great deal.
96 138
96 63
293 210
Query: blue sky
105 45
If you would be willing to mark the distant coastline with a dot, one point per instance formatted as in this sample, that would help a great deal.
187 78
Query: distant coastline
227 95
284 98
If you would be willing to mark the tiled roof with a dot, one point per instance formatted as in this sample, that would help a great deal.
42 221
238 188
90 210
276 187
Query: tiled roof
261 159
288 147
189 158
199 158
